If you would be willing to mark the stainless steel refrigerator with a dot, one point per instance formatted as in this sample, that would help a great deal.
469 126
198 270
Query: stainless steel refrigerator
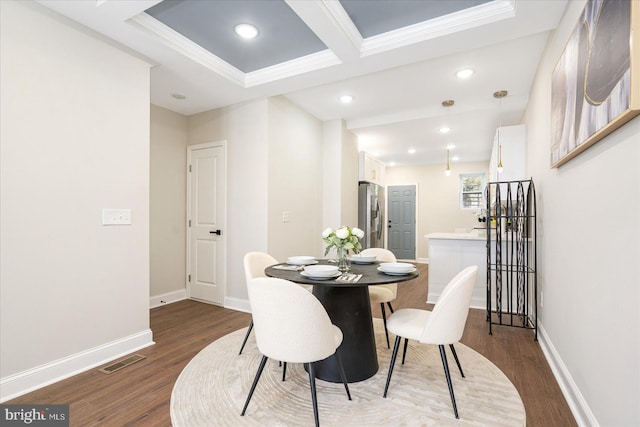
371 214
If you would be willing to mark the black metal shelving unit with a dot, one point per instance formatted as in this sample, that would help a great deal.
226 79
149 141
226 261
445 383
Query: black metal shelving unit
512 288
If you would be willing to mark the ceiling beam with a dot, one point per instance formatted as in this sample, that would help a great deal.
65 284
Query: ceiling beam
331 23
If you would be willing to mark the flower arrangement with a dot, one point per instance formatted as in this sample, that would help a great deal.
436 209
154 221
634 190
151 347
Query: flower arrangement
344 238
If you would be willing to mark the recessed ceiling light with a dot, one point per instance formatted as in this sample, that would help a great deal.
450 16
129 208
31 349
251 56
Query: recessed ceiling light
455 158
345 99
246 31
464 74
392 164
412 151
444 129
451 147
178 96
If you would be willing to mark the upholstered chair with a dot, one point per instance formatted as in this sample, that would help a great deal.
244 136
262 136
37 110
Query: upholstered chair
291 325
254 266
442 326
381 294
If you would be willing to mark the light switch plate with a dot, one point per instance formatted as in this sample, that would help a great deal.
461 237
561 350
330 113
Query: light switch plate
116 216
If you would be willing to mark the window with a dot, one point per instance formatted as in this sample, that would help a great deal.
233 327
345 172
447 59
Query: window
471 190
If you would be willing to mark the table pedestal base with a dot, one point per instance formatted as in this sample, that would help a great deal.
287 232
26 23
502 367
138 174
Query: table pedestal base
350 309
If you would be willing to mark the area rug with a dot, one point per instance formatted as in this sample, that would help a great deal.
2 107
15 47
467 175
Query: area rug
212 388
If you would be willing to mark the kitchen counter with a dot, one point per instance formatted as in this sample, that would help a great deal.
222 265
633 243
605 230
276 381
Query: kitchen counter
457 236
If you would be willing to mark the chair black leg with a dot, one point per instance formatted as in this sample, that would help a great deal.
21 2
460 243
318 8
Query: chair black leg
389 304
314 398
255 382
343 376
246 337
284 371
455 356
404 352
443 356
384 320
393 362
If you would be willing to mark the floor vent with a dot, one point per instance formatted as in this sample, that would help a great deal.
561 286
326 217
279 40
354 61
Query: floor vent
120 364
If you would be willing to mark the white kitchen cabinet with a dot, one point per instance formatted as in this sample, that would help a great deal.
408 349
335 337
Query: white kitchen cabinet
370 169
513 142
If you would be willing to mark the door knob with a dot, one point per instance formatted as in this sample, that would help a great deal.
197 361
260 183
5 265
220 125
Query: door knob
218 232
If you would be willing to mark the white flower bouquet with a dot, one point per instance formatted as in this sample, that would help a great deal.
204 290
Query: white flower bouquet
344 239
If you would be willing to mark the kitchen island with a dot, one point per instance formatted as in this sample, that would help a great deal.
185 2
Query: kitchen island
450 253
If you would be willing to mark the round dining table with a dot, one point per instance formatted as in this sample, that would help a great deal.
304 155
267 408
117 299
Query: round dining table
349 308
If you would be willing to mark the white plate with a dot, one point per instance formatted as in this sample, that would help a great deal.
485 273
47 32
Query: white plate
368 258
360 259
321 270
333 276
294 260
397 273
397 267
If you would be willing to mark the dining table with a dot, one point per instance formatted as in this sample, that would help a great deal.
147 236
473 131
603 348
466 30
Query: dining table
348 306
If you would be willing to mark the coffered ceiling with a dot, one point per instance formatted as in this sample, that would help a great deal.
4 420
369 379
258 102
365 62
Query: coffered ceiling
397 59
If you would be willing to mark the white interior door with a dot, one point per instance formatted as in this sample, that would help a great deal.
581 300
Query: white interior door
206 209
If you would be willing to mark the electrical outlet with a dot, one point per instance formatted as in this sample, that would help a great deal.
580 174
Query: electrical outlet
285 216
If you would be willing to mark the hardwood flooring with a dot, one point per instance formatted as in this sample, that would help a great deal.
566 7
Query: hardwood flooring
139 395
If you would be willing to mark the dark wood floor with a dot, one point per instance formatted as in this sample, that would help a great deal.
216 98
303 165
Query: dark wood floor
140 394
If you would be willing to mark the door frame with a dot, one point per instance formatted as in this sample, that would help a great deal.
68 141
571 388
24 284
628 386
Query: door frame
223 271
417 210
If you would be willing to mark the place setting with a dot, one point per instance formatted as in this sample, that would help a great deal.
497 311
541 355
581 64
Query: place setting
297 263
397 268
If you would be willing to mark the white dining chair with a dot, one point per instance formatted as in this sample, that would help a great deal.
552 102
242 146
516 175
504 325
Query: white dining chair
254 265
291 325
442 326
381 294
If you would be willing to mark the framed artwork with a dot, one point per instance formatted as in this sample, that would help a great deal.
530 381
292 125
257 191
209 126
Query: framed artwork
595 87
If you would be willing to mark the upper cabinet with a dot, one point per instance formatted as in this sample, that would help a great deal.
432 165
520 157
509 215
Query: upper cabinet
370 169
512 139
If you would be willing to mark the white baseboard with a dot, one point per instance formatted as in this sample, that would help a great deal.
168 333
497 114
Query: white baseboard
168 298
237 304
41 376
423 260
571 392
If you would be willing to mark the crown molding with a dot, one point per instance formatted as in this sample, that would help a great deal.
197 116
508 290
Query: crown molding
186 47
441 26
294 67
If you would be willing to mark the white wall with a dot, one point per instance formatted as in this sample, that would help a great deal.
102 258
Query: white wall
349 178
295 180
340 176
589 257
244 127
75 140
438 201
167 202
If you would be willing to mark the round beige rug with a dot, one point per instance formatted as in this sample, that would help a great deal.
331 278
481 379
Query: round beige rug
212 388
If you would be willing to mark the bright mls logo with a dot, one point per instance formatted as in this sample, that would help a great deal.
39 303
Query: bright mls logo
34 415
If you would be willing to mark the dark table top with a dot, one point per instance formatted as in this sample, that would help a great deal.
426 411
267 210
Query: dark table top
370 275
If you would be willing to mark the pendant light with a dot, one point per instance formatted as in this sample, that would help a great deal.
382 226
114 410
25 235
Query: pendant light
447 104
447 171
499 95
